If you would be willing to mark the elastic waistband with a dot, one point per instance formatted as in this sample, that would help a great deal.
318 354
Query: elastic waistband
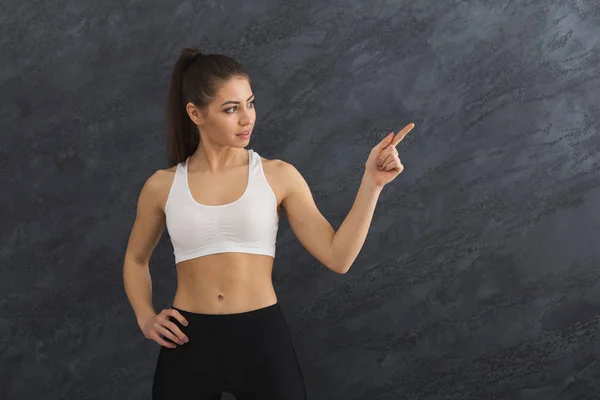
225 317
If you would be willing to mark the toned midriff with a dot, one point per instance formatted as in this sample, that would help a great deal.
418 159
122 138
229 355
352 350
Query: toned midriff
225 283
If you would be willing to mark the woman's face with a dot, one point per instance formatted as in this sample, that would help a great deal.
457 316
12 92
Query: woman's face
231 112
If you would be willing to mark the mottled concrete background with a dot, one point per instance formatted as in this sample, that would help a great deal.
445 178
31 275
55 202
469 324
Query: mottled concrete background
479 277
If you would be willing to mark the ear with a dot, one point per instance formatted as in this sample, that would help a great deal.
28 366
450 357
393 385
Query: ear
194 113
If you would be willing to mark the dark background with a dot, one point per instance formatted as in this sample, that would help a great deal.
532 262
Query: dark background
479 277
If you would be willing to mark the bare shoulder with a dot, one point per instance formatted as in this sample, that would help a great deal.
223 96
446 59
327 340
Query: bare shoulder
275 173
159 184
282 176
276 168
270 163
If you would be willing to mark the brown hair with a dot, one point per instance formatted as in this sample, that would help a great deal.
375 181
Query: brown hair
196 78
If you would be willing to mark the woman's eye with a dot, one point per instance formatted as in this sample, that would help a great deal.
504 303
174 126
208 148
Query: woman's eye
231 108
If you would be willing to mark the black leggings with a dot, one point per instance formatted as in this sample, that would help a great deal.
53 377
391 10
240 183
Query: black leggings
248 354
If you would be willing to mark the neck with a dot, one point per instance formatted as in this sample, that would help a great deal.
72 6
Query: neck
217 160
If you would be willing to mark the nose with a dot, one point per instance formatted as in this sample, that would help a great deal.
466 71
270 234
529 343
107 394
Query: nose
246 118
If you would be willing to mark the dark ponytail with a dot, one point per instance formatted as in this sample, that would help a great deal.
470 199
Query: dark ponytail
196 78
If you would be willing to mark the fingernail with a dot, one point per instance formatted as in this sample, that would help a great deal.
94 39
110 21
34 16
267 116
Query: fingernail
186 339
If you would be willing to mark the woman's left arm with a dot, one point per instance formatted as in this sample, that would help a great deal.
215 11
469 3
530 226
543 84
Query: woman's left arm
338 250
350 236
335 250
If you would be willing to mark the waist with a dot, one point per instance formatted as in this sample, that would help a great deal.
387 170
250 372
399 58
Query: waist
221 332
225 283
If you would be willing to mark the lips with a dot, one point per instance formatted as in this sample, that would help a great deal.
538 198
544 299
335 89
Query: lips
243 133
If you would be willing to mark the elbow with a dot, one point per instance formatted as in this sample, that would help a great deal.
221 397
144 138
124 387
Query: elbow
340 269
337 266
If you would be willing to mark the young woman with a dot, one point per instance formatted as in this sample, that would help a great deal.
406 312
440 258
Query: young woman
221 205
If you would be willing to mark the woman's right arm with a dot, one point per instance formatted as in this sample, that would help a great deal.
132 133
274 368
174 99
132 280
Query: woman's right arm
147 229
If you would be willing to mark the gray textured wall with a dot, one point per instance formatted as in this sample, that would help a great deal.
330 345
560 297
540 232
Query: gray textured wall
479 277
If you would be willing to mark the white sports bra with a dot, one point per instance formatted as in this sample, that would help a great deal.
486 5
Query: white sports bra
246 225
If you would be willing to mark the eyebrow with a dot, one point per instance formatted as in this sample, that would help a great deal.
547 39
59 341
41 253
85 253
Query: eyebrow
236 102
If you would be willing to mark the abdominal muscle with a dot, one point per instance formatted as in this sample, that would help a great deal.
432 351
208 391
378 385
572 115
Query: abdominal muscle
225 283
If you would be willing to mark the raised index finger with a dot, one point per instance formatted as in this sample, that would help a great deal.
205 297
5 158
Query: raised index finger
398 138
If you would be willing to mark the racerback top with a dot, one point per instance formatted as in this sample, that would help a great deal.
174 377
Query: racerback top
246 225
